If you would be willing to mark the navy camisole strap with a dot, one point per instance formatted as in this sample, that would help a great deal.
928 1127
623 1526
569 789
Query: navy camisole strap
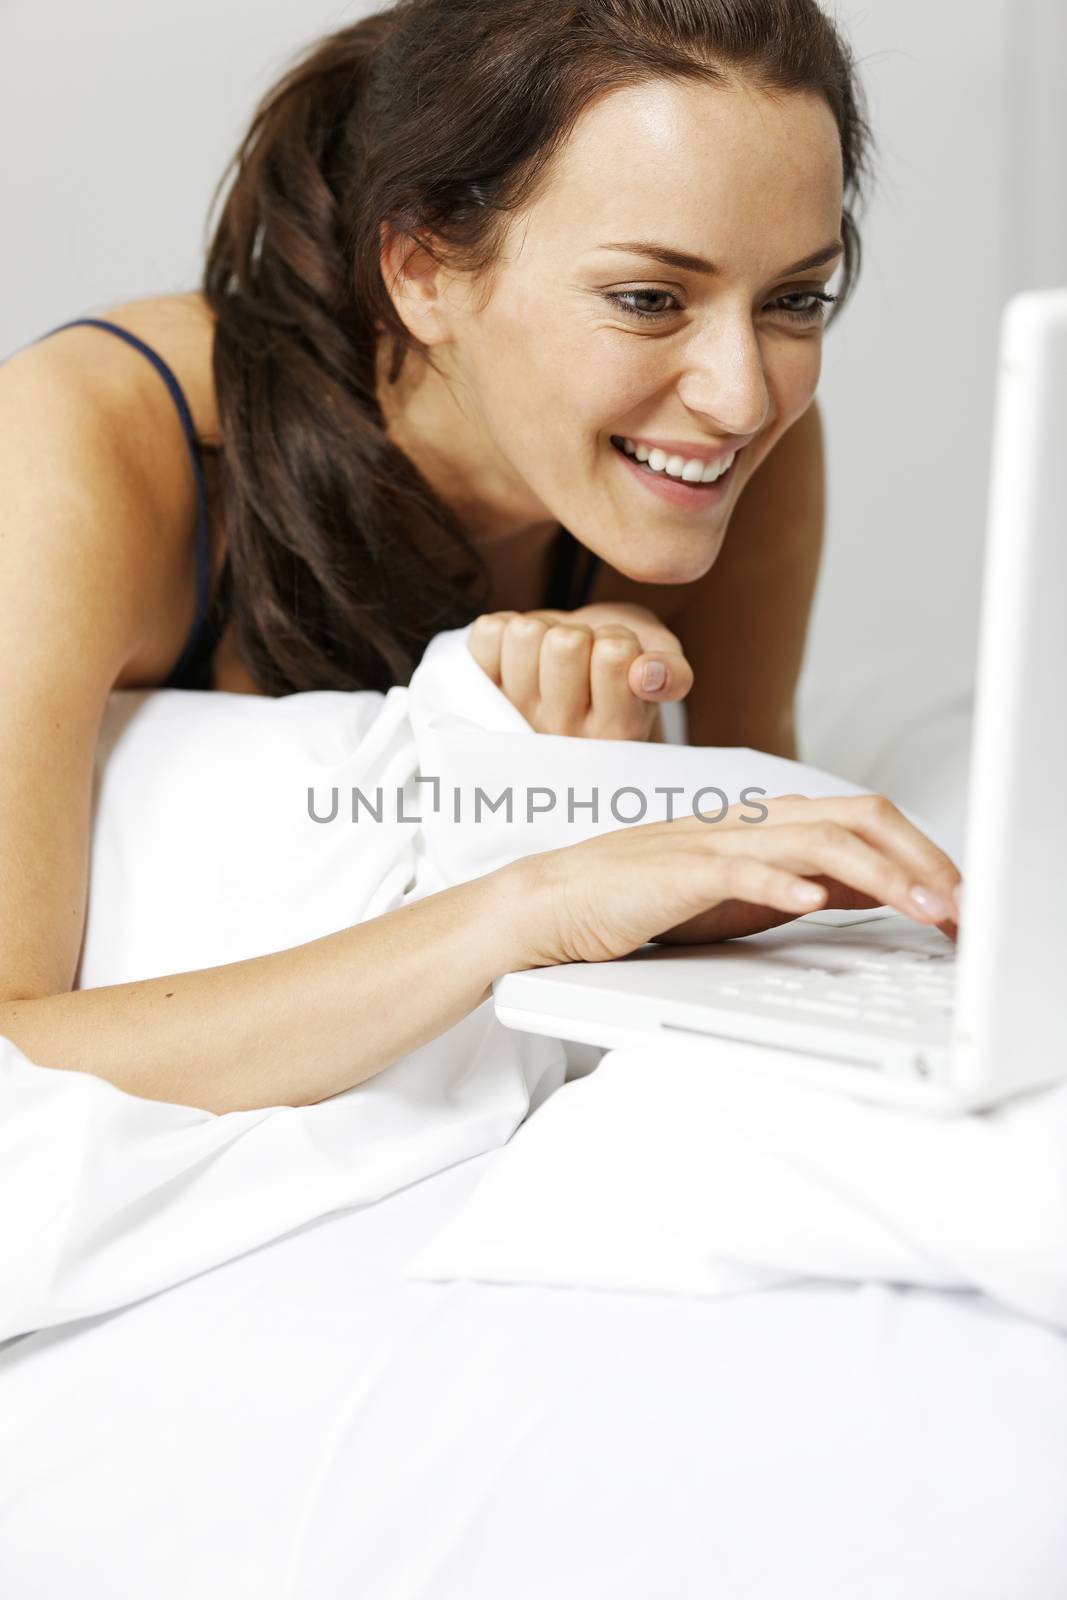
183 674
563 594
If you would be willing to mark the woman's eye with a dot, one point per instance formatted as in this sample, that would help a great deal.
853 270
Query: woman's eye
812 312
623 300
811 307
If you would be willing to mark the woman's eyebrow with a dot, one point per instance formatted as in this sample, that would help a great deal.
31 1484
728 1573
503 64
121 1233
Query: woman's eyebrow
690 263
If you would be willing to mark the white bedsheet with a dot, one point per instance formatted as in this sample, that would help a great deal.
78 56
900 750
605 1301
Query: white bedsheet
105 1197
303 1424
694 1174
117 1197
293 1416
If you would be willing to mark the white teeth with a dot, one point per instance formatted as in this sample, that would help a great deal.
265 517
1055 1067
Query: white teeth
715 469
693 470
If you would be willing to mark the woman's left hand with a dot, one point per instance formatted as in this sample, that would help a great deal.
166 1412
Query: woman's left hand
581 673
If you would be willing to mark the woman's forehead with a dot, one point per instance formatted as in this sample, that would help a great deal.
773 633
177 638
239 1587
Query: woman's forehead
695 166
658 124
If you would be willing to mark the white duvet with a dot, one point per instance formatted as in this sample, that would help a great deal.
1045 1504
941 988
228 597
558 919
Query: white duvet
303 1423
204 852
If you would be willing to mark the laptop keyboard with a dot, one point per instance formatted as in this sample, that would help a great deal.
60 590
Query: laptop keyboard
895 989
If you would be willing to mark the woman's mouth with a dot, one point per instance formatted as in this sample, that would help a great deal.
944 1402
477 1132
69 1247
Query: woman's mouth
662 474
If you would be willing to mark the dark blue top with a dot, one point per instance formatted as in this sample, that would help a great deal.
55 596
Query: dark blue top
563 593
192 670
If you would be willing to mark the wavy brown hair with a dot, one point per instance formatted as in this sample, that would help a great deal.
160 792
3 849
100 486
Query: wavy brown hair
441 119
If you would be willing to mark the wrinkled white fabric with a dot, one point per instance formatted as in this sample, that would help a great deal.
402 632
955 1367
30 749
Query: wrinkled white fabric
689 1175
203 852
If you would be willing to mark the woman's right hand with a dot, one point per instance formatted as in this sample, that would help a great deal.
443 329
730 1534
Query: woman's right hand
581 672
691 881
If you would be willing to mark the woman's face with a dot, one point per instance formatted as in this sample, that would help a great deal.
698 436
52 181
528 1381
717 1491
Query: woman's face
544 366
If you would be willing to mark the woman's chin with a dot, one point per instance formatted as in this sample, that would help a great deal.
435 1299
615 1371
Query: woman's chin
688 560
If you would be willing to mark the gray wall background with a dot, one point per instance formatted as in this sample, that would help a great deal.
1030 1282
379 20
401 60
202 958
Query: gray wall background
117 119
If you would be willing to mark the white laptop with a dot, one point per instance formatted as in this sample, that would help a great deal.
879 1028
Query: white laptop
872 1003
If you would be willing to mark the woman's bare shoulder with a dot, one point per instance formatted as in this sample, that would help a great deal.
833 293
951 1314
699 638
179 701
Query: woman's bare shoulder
180 328
107 414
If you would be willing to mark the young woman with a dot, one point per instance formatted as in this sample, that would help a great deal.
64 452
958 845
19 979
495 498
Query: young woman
497 286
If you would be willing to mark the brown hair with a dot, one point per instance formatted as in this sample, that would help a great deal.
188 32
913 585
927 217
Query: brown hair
438 117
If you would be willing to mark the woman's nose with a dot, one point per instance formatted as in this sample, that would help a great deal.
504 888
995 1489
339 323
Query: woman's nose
724 379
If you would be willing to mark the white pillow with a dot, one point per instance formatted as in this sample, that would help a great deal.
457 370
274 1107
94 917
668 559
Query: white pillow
203 850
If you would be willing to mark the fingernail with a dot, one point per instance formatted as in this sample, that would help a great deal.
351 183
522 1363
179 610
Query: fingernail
654 675
957 896
930 904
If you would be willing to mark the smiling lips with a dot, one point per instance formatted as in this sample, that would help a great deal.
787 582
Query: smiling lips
693 469
677 492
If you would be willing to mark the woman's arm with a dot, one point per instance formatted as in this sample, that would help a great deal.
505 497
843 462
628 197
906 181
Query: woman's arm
295 1026
86 560
96 516
744 626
